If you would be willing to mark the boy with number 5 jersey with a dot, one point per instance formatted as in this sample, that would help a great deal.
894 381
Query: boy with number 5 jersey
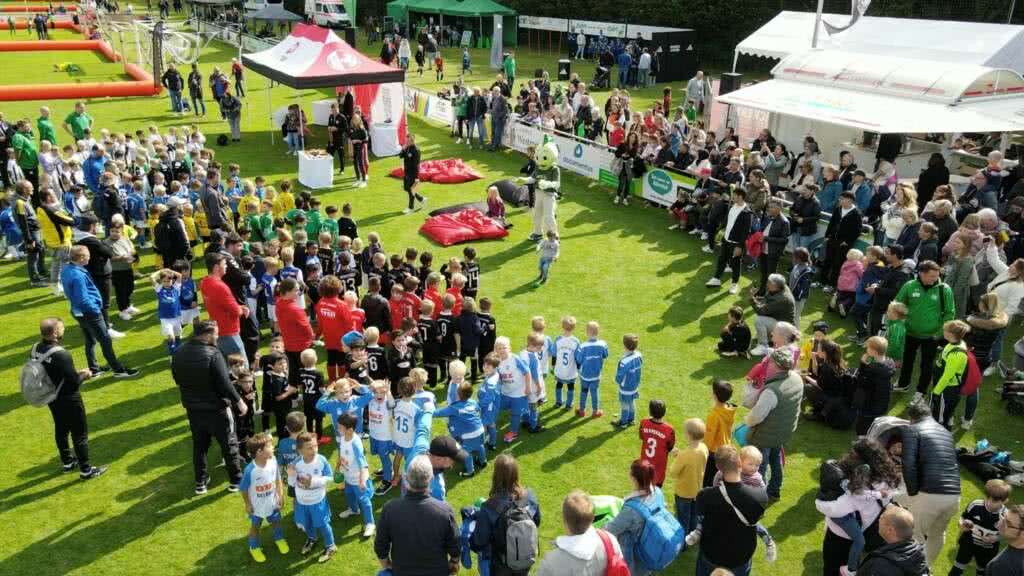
566 369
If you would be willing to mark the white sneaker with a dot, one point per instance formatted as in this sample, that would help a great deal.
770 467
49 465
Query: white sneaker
695 232
114 333
734 289
625 201
616 200
966 424
423 203
346 513
362 184
728 270
760 350
917 396
713 283
674 227
369 530
407 211
704 236
693 538
990 370
132 310
458 140
771 551
707 249
125 315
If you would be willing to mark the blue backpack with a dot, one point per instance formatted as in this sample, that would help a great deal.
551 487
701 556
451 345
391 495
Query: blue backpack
661 538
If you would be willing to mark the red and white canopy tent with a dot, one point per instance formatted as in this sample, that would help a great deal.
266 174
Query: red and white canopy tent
315 57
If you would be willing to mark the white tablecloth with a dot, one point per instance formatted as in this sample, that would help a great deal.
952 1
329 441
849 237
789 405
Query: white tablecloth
316 172
322 112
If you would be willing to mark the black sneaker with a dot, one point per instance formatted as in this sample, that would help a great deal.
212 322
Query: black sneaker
126 373
200 488
232 488
99 370
537 429
70 466
481 465
383 489
92 472
378 473
308 546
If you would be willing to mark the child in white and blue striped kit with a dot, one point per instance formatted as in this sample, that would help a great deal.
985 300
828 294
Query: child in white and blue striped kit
467 427
566 369
627 376
380 411
310 476
355 473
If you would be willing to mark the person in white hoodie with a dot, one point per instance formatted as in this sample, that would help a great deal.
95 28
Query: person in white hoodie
1008 285
580 551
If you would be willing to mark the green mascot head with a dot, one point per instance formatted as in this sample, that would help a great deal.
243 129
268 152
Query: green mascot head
546 154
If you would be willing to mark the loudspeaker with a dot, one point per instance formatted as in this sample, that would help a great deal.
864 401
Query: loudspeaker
350 36
730 82
677 60
564 69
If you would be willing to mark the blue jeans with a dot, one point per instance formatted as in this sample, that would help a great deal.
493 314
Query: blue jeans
996 354
231 345
497 131
544 266
294 142
481 130
705 568
623 77
853 529
686 513
772 457
198 103
94 329
359 500
641 77
175 100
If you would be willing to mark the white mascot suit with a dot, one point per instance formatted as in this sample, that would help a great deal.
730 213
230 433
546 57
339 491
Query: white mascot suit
548 179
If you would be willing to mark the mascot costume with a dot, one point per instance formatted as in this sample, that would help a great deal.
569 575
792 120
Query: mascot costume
548 180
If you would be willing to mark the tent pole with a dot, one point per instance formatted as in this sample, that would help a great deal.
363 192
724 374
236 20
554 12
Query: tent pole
817 23
270 110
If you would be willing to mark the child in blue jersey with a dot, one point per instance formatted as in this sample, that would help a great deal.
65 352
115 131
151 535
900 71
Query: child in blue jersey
355 472
137 211
414 418
338 399
467 427
263 494
547 350
234 188
311 474
590 357
289 270
627 377
535 395
456 376
188 299
566 369
489 398
167 284
268 284
515 380
287 453
380 416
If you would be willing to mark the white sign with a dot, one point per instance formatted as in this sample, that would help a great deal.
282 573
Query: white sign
591 28
519 136
542 23
439 110
582 157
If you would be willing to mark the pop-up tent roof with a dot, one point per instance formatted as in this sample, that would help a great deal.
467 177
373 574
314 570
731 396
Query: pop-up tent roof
315 57
889 95
274 12
995 45
449 8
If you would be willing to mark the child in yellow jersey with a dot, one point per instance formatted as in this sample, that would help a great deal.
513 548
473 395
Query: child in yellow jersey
284 201
190 224
202 226
154 216
249 198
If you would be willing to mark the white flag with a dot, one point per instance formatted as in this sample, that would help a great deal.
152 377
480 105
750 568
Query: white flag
857 9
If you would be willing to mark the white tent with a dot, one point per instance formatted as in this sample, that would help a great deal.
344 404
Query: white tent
994 45
889 95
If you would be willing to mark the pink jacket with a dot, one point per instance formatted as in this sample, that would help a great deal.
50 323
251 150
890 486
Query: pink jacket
849 275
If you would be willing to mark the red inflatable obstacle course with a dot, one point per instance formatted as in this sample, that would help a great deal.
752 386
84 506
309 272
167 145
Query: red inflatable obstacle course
142 84
43 9
463 226
449 171
59 24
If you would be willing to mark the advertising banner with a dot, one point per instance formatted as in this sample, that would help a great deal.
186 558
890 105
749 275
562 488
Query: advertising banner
661 186
542 23
591 28
582 158
439 110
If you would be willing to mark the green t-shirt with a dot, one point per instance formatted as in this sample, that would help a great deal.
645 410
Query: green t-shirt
46 131
312 224
331 226
78 123
28 154
510 68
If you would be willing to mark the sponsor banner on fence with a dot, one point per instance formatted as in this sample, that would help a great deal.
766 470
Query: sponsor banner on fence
582 158
661 186
591 28
439 110
542 23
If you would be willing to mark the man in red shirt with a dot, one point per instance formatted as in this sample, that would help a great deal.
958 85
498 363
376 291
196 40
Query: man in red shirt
657 438
296 332
222 307
333 320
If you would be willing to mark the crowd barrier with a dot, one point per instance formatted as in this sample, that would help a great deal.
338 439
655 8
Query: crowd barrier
590 159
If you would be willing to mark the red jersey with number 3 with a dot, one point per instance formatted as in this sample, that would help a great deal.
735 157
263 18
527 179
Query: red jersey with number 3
656 440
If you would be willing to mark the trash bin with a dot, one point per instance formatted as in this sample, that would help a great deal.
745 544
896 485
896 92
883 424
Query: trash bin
564 69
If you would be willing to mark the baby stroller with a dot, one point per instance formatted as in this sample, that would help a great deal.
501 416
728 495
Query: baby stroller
887 430
602 78
1013 393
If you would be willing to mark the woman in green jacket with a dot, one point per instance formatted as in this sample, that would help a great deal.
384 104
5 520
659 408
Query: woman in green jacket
951 366
460 111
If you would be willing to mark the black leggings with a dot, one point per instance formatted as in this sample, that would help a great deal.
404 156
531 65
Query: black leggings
624 181
357 160
340 149
124 285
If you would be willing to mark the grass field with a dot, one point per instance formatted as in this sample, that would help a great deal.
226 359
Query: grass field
619 266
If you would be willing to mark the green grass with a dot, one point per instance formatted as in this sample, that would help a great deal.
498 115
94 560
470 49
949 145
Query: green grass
38 68
619 266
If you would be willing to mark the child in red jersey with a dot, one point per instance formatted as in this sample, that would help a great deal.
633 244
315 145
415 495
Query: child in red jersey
397 305
657 438
433 292
411 302
333 320
358 314
458 283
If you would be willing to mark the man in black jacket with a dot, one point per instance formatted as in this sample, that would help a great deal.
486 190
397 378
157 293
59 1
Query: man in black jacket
737 229
900 555
931 476
99 264
337 131
841 235
882 293
804 214
775 236
67 408
173 81
207 395
476 114
170 240
410 155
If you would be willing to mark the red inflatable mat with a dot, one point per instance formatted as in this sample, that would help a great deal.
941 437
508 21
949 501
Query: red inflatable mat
449 171
463 226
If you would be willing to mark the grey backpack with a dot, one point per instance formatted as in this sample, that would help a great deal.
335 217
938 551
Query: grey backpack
519 532
36 386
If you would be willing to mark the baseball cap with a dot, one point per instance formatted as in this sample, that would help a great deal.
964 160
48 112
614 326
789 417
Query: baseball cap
447 447
860 173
